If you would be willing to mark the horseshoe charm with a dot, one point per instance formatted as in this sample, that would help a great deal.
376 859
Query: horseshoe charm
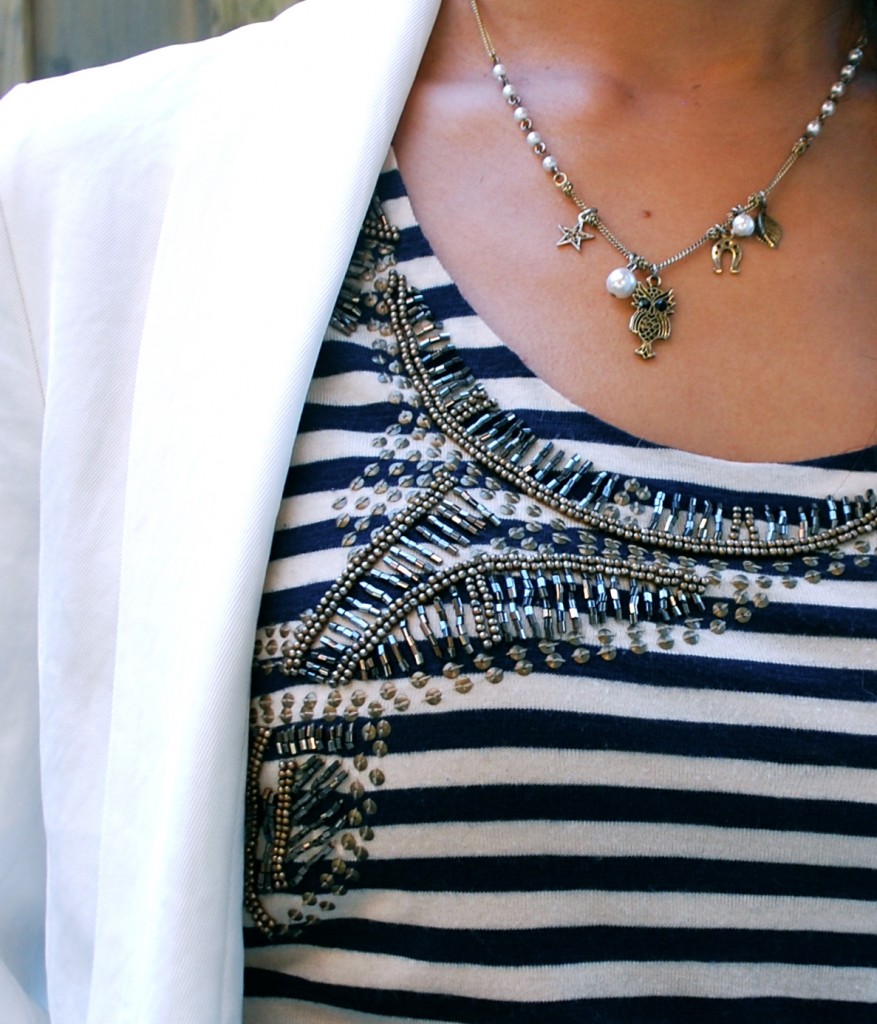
727 244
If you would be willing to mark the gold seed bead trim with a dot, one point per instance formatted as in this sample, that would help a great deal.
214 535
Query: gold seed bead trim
282 823
399 298
363 562
261 918
473 574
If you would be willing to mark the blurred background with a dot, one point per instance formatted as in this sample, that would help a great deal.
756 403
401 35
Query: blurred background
40 38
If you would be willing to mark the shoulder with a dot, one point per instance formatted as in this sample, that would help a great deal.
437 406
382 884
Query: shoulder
99 118
136 104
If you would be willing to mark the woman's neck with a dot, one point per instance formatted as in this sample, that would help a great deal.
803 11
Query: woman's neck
670 44
664 115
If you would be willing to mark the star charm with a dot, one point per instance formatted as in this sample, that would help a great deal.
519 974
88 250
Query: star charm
574 236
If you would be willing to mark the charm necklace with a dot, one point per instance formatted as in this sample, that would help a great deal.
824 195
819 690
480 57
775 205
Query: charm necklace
640 279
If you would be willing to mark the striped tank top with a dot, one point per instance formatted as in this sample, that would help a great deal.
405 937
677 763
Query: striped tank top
549 722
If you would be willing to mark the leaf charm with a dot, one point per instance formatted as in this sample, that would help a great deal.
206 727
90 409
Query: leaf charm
767 230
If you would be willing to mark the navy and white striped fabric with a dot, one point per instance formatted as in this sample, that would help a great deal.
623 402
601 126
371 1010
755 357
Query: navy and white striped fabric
639 826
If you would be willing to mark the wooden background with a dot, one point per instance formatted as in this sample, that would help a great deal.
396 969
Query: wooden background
39 38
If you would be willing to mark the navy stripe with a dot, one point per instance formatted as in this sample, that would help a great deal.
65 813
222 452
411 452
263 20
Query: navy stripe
786 619
389 1003
326 475
323 536
548 729
390 185
369 419
617 874
412 245
622 804
815 620
339 356
372 419
287 605
862 460
582 945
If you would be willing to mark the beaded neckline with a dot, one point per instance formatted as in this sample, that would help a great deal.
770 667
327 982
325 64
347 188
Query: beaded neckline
504 443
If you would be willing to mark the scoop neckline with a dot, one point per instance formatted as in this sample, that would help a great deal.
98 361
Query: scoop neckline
860 460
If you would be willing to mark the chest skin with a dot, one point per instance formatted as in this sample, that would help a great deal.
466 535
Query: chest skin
775 363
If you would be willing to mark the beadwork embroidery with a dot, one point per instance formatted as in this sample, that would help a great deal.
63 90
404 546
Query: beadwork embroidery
455 584
415 562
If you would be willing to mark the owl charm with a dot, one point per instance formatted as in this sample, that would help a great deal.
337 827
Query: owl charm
651 319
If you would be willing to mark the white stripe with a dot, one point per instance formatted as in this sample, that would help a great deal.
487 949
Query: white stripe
307 509
318 445
613 839
350 390
400 214
595 695
425 272
502 911
569 981
544 767
303 569
317 506
829 592
828 652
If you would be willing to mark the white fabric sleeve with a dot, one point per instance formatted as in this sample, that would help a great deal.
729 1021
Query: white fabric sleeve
22 837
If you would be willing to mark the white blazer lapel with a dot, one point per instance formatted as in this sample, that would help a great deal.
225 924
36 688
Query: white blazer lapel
285 142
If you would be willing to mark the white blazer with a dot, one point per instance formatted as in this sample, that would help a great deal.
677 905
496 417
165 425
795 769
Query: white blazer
175 230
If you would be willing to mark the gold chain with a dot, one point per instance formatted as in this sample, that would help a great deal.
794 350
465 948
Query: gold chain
653 305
